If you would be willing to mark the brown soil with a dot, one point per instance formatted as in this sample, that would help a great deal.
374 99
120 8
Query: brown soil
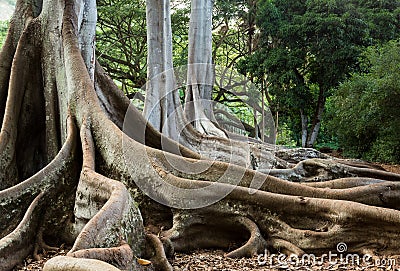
391 168
214 260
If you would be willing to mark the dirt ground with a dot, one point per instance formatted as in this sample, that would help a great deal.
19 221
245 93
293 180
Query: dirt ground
210 260
214 260
392 168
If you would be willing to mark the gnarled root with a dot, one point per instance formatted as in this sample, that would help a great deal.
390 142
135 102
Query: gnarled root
18 244
319 170
36 191
285 247
121 257
117 221
105 214
254 245
158 258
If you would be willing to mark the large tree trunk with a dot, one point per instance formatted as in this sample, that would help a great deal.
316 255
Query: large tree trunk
193 128
87 33
200 72
80 165
163 109
162 98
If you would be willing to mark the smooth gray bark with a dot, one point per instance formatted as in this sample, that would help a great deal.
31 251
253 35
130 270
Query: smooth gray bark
87 33
161 98
200 77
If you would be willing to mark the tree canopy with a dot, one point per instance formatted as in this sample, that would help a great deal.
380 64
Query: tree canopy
309 47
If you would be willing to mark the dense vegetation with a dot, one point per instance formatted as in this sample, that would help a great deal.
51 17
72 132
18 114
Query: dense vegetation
311 60
308 47
366 107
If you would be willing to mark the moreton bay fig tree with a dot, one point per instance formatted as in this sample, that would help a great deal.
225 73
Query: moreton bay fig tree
80 165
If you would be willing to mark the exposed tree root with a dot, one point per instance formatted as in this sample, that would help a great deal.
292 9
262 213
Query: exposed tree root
308 224
40 244
256 243
159 258
368 191
344 183
46 183
19 243
121 257
285 247
50 179
105 226
329 169
105 215
220 205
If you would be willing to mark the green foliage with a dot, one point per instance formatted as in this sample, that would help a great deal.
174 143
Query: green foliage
285 136
121 41
233 28
3 32
180 31
366 107
309 47
327 138
313 42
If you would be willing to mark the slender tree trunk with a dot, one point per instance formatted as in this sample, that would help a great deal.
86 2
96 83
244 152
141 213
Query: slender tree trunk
316 124
304 128
277 123
262 113
255 122
200 50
